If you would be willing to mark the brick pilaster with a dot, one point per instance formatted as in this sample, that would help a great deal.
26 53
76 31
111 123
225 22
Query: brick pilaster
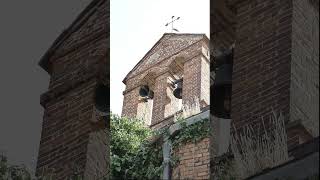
160 98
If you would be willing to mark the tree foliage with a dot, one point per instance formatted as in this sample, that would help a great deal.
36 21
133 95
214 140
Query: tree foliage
12 172
133 156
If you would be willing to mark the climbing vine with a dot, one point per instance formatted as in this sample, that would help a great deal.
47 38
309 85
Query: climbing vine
192 133
136 151
133 155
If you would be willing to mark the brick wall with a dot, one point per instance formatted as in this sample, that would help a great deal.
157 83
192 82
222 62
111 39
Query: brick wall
222 25
304 88
276 62
205 82
160 98
68 133
130 103
261 69
193 161
160 63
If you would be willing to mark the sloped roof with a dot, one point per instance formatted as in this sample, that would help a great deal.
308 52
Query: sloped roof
77 24
184 39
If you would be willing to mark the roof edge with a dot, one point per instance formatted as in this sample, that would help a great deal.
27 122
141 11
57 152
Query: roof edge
44 61
183 34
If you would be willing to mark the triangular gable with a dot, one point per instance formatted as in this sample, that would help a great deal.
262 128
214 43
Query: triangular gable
166 46
77 31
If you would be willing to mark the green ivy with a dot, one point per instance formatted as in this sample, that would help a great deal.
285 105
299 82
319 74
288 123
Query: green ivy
12 172
133 156
192 133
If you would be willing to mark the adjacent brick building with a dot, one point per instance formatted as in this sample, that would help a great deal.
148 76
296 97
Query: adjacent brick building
73 136
276 61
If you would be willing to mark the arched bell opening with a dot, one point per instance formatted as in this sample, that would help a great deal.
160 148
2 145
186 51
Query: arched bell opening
101 116
145 98
220 95
174 89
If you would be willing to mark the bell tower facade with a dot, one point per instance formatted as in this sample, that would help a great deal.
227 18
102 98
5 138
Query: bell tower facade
74 138
172 75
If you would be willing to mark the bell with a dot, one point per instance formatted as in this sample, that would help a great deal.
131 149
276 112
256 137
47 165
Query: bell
101 98
220 98
144 91
223 75
177 92
221 101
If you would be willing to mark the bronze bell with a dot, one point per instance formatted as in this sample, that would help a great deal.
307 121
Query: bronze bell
146 92
220 98
177 92
101 98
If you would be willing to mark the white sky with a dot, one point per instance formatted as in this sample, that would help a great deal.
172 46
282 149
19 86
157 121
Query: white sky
136 25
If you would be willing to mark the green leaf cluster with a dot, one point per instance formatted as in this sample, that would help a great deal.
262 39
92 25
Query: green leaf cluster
132 155
12 172
135 156
192 133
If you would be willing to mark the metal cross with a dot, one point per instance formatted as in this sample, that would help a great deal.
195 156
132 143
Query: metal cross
171 22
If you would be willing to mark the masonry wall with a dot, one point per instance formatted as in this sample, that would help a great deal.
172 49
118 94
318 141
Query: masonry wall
304 88
205 82
191 49
130 102
262 60
276 63
69 133
222 25
194 161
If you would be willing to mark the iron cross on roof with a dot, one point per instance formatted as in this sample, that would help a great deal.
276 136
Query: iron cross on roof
171 22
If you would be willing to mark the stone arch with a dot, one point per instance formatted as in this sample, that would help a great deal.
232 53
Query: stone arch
145 107
150 76
175 67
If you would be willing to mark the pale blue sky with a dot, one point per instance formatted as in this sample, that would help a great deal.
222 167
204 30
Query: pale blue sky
137 25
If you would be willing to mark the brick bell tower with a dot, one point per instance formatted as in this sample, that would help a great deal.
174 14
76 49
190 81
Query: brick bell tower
74 139
174 58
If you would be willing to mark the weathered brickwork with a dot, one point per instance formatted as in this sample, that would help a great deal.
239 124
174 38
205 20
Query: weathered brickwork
192 80
205 82
261 69
76 62
130 102
172 56
304 88
194 161
160 98
276 62
222 25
